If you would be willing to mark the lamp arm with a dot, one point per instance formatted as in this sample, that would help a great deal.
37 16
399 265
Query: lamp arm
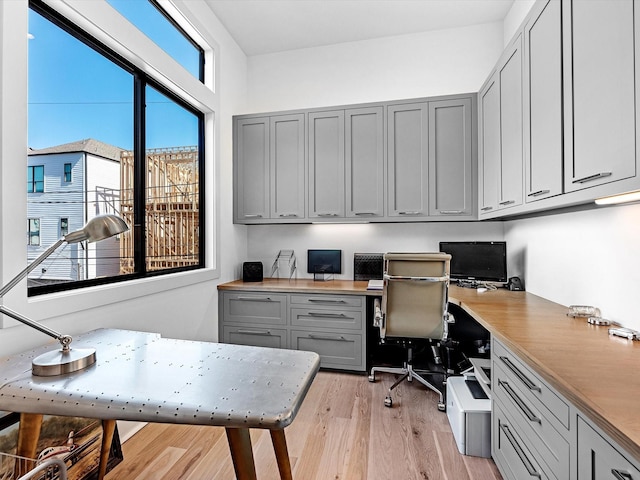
14 281
65 340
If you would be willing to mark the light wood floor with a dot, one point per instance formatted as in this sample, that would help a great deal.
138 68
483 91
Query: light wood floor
343 431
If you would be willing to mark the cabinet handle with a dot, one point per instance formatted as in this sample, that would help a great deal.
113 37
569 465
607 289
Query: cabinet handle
320 300
591 177
451 212
531 469
486 209
286 215
409 213
252 215
328 315
328 215
507 202
339 338
620 475
538 193
365 213
266 333
255 299
523 378
523 406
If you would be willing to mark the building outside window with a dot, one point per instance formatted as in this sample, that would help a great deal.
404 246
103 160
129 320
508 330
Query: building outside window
33 228
135 148
35 179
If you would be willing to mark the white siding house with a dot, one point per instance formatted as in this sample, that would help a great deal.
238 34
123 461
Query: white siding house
91 189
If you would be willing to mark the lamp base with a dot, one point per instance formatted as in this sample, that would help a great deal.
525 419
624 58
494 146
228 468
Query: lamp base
58 362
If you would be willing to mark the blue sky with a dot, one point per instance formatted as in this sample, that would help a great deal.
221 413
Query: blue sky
76 93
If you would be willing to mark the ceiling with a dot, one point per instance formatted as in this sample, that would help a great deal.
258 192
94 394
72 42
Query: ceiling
268 26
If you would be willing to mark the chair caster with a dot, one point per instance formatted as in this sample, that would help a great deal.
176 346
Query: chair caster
372 378
388 402
442 407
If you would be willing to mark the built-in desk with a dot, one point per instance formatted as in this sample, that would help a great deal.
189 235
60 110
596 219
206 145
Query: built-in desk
598 375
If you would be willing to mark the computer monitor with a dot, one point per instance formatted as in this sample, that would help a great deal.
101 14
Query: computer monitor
477 261
324 261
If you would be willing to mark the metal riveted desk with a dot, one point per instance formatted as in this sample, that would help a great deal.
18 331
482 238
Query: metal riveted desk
143 377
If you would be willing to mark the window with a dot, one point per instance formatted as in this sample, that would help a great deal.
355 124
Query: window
64 227
33 228
142 153
35 179
67 172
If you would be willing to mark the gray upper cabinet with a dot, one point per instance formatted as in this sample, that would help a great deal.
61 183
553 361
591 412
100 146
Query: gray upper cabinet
543 101
364 162
450 157
326 165
489 145
599 86
408 161
251 170
287 167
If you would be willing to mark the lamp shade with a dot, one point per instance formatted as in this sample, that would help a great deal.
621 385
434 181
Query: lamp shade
98 228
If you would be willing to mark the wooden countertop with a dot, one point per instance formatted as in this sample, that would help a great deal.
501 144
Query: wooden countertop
599 374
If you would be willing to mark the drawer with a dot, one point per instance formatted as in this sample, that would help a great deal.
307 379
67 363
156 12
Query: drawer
256 308
328 300
514 459
536 389
532 423
599 459
327 318
336 350
256 336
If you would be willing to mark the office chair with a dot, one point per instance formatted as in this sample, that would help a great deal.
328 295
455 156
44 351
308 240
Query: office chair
414 307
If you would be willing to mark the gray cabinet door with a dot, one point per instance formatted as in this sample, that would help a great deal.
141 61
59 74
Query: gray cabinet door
450 165
364 162
408 161
326 164
252 169
543 102
599 63
512 161
489 145
287 166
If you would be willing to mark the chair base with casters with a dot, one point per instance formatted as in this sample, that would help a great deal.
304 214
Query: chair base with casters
408 373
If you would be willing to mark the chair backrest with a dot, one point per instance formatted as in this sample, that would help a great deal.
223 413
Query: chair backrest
415 295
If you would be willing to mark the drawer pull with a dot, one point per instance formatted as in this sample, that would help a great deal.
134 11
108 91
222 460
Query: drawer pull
328 315
253 215
523 406
365 213
620 475
409 213
339 338
451 212
328 215
321 300
288 215
486 209
266 333
531 469
255 299
523 378
507 202
590 178
538 193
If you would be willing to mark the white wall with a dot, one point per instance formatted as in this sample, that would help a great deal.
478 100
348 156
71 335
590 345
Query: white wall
514 18
427 64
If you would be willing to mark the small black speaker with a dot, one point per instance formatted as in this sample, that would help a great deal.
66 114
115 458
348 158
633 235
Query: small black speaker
252 272
367 266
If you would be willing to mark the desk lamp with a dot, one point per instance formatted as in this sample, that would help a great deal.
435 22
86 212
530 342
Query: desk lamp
65 360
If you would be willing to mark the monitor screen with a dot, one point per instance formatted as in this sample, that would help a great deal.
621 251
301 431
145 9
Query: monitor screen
477 261
324 261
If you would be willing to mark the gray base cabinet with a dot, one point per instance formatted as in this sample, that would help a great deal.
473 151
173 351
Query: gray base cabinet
331 325
537 433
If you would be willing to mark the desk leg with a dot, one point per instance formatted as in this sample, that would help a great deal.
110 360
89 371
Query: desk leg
282 454
28 435
108 428
241 453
